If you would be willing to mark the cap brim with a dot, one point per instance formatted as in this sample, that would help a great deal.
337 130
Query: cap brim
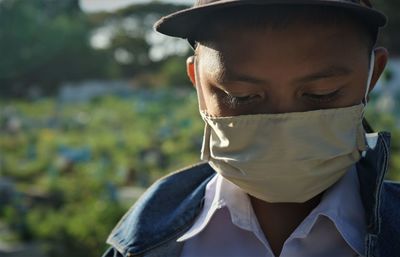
183 23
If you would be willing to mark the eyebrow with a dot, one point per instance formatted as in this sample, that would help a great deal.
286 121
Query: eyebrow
329 72
229 76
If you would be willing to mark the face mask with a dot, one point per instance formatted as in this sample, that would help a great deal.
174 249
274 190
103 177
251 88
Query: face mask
288 157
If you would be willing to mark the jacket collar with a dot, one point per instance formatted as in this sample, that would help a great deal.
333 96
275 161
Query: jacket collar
372 169
179 196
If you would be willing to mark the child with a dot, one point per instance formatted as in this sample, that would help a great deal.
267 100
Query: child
289 169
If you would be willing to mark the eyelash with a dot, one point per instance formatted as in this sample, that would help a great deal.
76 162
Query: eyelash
326 98
236 101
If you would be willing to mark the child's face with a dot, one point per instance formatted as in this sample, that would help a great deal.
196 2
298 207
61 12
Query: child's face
295 69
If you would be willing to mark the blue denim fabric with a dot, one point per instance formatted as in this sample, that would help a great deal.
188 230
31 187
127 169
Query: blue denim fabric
168 209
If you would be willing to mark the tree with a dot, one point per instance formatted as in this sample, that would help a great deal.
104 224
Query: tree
130 42
43 42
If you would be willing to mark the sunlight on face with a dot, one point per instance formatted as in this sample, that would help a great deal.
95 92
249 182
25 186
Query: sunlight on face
299 68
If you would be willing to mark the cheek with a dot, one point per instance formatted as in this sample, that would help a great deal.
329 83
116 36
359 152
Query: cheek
213 104
355 93
209 100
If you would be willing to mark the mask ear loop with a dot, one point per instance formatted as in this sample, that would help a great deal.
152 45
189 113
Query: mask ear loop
370 73
364 146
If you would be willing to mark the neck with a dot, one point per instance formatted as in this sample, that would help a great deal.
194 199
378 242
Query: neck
279 220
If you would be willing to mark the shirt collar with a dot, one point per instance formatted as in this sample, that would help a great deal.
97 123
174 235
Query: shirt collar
222 193
341 204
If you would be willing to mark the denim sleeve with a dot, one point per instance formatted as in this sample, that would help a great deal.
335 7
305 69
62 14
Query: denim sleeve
112 252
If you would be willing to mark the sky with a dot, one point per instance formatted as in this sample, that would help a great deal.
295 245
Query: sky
110 5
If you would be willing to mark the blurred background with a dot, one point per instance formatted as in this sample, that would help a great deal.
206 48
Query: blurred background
95 106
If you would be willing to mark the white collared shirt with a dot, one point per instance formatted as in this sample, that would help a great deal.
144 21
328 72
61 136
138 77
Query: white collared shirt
227 225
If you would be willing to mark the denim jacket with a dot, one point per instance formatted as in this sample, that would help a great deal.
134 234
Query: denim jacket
169 207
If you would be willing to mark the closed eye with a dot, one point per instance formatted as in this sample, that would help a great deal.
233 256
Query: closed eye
322 98
236 101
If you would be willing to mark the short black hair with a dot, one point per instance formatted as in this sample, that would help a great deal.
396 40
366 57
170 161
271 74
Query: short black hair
281 16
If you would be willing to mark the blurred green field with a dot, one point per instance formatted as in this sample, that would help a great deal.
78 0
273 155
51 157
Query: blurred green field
68 170
68 163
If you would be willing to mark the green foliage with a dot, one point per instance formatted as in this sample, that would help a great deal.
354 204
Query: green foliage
77 229
71 203
133 26
387 122
44 42
171 74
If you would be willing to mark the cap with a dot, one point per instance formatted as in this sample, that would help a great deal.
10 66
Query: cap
183 23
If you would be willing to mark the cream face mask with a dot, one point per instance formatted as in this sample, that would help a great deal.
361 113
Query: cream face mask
288 157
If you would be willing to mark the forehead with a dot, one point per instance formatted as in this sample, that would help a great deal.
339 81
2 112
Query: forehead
295 48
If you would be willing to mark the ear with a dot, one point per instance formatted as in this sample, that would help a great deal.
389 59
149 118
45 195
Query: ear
190 63
381 59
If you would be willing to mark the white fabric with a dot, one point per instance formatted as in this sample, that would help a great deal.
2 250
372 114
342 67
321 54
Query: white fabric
227 225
